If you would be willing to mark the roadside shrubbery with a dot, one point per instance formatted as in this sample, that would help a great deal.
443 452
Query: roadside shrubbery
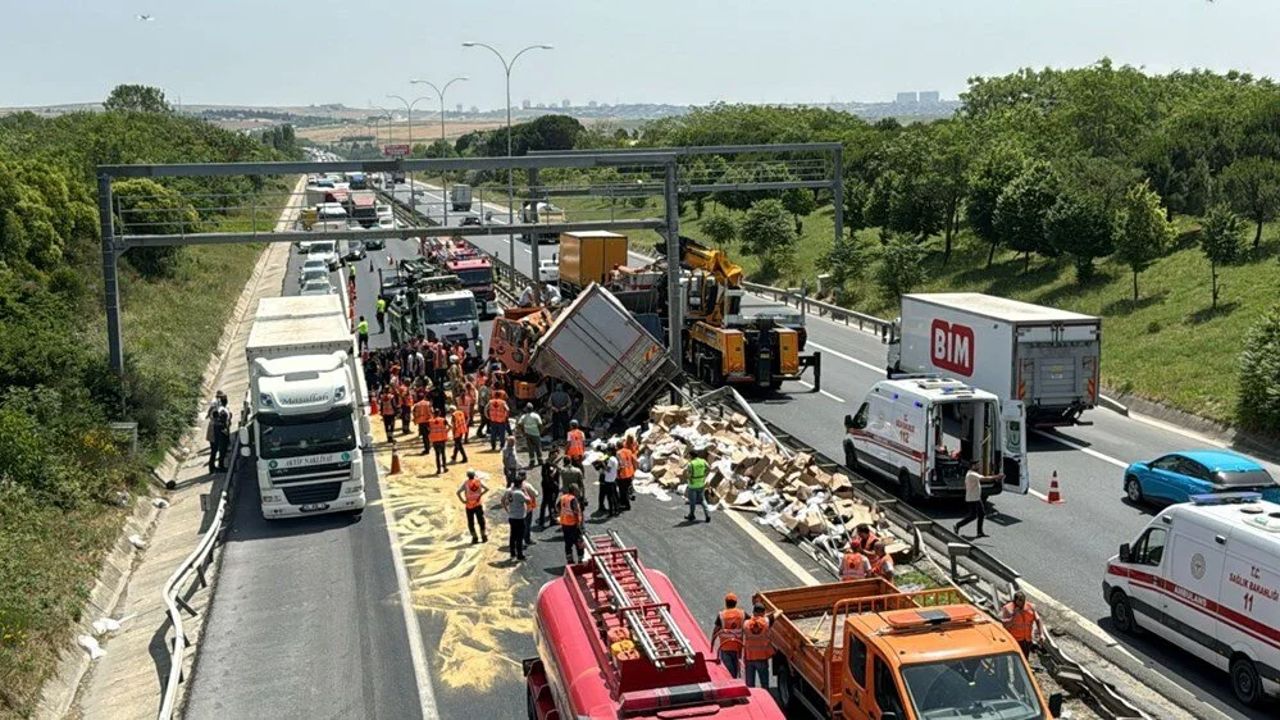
1259 406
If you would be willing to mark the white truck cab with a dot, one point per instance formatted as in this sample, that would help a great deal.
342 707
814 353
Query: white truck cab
1205 575
922 432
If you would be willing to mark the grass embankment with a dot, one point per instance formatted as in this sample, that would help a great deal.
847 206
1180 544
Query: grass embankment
50 556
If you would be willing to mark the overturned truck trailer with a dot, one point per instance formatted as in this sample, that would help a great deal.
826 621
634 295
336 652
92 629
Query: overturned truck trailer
598 347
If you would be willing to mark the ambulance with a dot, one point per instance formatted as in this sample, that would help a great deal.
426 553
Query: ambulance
1205 575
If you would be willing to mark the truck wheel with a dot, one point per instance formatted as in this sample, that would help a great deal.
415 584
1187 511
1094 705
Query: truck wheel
1122 616
1133 490
786 686
1245 681
908 489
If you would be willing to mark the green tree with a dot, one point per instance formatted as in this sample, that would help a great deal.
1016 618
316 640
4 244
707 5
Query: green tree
1143 233
1078 225
145 207
1258 398
1021 209
988 178
900 268
767 233
799 202
719 227
1252 186
136 98
854 195
845 262
1220 241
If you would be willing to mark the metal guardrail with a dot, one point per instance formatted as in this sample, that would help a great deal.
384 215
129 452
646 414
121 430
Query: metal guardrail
172 592
823 309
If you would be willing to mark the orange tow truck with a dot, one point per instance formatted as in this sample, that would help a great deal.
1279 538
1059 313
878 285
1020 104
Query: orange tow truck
865 650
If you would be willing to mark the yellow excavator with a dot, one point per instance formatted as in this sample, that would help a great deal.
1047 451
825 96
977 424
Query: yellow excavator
726 344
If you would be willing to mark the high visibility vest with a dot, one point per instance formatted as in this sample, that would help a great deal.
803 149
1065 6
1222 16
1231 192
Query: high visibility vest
382 305
755 640
472 494
532 502
373 405
577 445
422 412
1019 622
698 473
568 516
362 327
854 566
438 354
627 467
497 410
437 430
858 542
387 405
402 393
882 566
731 620
459 424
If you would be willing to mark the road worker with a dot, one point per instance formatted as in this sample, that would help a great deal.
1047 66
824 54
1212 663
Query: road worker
218 432
483 394
881 561
728 633
438 432
471 494
531 506
854 565
550 488
388 405
626 474
756 648
1023 622
406 406
421 416
530 425
576 447
362 334
498 413
458 419
695 477
516 503
571 512
863 537
380 312
510 460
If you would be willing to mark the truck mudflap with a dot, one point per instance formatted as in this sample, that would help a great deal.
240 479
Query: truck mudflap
813 362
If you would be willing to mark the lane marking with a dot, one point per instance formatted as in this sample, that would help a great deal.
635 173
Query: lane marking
772 548
417 653
822 392
849 358
1175 429
1077 446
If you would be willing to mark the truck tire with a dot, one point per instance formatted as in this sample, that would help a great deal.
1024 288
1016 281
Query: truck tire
908 488
1245 681
786 685
1122 615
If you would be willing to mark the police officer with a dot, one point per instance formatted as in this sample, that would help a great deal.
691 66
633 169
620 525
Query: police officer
362 333
381 314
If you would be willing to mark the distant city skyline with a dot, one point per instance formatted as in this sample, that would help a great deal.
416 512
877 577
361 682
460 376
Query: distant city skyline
686 52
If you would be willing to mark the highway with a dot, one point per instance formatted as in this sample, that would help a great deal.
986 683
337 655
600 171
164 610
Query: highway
1060 549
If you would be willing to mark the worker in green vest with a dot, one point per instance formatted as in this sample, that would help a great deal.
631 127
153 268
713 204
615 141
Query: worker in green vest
381 314
362 334
695 475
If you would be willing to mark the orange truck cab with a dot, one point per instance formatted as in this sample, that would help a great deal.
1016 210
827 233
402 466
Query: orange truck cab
864 650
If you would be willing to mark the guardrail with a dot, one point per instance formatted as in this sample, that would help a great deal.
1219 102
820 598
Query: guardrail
823 309
197 562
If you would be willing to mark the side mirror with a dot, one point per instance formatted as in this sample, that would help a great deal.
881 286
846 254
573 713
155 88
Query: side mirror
1055 705
1126 553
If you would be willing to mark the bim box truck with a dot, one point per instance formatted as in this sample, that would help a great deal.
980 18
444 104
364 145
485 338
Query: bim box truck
1045 359
304 410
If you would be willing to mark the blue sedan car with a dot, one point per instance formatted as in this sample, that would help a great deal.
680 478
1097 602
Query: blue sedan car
1175 477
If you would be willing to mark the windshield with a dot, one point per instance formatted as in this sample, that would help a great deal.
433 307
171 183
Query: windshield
283 437
449 311
1244 478
481 276
315 275
321 247
995 687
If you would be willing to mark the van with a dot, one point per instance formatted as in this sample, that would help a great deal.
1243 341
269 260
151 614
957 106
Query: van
922 433
1205 575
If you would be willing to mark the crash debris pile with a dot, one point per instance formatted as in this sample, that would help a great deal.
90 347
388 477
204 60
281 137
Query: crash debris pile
750 472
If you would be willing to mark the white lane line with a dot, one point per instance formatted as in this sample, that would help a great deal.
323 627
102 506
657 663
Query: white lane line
417 653
1077 446
849 358
525 251
772 548
822 392
1175 429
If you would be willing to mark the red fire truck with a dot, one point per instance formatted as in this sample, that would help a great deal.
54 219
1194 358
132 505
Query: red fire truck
615 640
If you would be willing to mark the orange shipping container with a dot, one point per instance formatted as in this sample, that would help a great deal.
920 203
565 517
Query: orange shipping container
587 257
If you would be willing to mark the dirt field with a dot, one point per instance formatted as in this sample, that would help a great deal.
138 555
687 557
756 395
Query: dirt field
426 130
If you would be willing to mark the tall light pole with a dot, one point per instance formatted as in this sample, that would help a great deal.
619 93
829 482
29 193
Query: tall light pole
444 183
511 182
413 189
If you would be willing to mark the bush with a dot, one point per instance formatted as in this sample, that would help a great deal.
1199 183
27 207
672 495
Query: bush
1258 404
901 266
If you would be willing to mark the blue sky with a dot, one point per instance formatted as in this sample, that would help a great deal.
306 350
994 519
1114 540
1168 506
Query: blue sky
679 51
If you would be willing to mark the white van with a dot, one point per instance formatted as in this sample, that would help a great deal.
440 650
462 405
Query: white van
1205 575
921 432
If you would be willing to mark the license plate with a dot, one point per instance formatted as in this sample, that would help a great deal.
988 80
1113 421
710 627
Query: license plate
314 507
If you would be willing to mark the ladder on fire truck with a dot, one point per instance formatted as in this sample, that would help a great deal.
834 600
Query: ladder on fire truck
631 595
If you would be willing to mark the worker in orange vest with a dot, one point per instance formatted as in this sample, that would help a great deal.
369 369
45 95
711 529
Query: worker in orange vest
438 432
863 537
421 416
498 412
626 474
1022 621
459 421
571 523
471 493
406 405
577 444
756 648
387 405
881 561
854 565
728 633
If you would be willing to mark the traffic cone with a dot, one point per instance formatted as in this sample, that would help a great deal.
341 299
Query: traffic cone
395 461
1055 496
370 264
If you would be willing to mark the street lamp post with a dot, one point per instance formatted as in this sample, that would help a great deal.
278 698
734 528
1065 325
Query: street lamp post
444 184
413 189
511 182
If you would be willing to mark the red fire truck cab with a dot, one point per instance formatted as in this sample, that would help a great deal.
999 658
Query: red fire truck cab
615 640
476 274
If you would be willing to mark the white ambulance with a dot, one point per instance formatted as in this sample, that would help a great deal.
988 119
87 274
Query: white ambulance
1205 575
922 433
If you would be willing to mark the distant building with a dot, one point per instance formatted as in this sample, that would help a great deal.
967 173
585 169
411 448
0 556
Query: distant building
475 109
592 103
541 106
525 104
930 97
564 103
458 108
907 98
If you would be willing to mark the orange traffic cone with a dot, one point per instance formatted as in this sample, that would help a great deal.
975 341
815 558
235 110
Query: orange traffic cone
1055 495
395 461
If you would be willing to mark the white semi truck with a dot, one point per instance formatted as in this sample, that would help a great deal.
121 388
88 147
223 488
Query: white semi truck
305 409
1041 362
